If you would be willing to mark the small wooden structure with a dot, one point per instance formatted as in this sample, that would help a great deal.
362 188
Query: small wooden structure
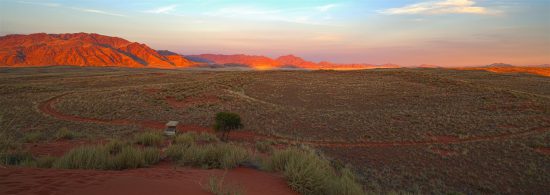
171 127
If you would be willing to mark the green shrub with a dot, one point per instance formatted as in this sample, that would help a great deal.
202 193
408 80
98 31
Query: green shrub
32 137
128 158
151 156
148 139
85 157
209 156
308 173
264 146
15 157
346 183
115 155
186 139
65 133
175 151
115 146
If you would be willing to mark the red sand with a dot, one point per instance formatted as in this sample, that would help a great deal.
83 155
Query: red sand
543 150
161 179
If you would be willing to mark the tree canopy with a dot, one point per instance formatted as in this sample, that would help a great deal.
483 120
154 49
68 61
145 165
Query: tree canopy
226 122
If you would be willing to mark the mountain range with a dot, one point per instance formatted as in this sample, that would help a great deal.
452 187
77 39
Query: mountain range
89 49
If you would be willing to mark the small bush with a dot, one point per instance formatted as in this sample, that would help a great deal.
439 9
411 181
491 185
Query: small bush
308 173
148 139
209 156
264 146
226 122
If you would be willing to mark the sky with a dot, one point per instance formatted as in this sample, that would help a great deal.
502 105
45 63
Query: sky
405 32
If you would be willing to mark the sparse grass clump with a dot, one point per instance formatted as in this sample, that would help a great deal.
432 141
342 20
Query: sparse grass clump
216 186
65 133
206 137
308 173
219 155
41 162
264 146
15 157
186 139
190 138
113 156
8 142
148 139
32 137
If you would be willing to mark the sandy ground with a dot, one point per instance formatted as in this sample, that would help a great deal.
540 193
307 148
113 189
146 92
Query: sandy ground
161 179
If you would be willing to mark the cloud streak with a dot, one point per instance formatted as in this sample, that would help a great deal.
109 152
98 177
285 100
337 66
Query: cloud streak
326 8
88 10
40 3
97 11
439 7
162 10
296 15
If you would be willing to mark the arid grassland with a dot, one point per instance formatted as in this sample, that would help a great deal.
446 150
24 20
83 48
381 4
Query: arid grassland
400 130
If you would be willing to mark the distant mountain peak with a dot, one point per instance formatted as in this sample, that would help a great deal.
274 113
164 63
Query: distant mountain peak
495 65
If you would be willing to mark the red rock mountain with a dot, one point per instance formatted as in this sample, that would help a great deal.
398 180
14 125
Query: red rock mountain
82 49
288 61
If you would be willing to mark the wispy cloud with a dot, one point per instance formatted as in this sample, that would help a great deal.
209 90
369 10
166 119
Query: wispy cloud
294 15
40 3
97 11
163 10
439 7
48 4
325 8
243 10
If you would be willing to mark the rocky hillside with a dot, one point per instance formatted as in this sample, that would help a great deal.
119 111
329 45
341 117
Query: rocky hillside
82 49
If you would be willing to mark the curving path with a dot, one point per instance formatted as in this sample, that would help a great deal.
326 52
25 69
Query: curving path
47 108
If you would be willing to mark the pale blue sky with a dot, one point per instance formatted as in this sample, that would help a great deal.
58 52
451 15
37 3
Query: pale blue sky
408 32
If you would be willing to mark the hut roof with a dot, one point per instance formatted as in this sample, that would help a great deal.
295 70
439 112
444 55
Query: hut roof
172 123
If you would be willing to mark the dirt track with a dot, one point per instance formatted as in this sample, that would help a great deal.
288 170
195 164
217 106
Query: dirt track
47 108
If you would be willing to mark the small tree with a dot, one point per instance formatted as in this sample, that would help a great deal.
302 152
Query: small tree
227 121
